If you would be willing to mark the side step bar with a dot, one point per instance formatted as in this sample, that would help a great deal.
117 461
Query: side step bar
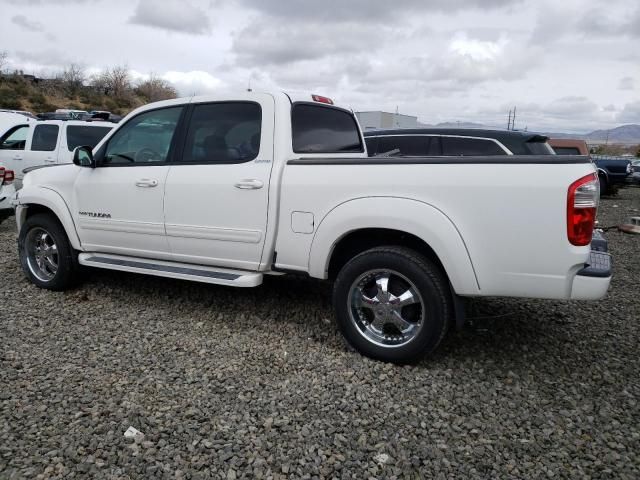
183 271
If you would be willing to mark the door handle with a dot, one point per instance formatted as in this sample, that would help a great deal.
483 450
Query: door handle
249 184
146 183
49 160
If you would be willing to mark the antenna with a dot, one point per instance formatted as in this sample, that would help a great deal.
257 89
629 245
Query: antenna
249 85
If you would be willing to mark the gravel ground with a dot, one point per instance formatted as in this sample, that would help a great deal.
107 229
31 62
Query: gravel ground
228 383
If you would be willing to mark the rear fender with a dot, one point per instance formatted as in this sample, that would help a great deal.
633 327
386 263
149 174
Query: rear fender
406 215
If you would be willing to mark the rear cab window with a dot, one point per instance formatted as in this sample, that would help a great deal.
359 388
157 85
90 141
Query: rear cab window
324 129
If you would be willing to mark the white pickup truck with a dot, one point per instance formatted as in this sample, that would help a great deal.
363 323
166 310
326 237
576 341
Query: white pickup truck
30 143
228 189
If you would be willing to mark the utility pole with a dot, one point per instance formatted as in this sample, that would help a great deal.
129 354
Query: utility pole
513 120
509 121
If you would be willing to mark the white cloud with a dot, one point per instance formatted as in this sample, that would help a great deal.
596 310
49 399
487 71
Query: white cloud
30 25
174 15
564 64
626 83
630 113
477 50
194 83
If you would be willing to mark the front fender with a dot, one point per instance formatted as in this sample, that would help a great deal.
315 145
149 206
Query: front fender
406 215
49 198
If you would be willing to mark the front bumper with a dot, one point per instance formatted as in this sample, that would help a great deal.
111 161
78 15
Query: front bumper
592 281
634 178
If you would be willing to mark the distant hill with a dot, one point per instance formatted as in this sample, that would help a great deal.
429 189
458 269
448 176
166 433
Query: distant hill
623 134
38 95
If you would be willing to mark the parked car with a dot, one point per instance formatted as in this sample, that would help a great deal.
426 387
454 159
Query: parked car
635 172
228 189
30 144
612 171
7 192
454 142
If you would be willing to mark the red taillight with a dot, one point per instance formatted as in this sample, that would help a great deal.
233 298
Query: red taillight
582 203
321 99
9 177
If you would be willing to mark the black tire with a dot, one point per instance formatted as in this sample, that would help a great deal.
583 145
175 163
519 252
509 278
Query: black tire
604 185
67 272
410 268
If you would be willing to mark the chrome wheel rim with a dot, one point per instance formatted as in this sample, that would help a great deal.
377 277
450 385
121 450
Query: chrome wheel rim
42 254
386 308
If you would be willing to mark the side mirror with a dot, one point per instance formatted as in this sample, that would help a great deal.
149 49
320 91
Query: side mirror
83 157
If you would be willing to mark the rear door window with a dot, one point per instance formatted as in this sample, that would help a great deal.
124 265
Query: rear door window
226 132
319 129
45 138
85 136
460 146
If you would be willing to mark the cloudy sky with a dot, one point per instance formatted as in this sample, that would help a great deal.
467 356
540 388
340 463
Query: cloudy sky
571 65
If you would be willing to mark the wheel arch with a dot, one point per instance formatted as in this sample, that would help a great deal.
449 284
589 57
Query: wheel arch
357 225
47 201
603 172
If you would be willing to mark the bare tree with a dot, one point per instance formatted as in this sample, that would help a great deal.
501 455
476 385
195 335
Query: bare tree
114 81
73 78
154 89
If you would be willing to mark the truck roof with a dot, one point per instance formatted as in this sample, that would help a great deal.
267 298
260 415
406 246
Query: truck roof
243 94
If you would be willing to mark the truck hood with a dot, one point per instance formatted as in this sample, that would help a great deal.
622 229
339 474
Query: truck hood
61 175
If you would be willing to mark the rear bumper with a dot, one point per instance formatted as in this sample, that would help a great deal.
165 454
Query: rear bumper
592 281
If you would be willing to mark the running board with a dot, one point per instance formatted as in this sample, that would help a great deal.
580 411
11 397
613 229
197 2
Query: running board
183 271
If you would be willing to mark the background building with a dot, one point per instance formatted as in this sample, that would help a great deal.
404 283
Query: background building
377 120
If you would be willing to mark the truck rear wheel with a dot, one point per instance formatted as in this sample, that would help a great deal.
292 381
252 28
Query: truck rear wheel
392 304
46 255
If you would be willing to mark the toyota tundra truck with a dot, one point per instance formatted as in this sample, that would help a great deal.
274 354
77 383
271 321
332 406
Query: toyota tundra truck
226 190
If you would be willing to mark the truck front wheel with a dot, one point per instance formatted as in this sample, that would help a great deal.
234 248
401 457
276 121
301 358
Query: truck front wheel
392 304
46 255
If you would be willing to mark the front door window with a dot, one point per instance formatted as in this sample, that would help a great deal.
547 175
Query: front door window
145 139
